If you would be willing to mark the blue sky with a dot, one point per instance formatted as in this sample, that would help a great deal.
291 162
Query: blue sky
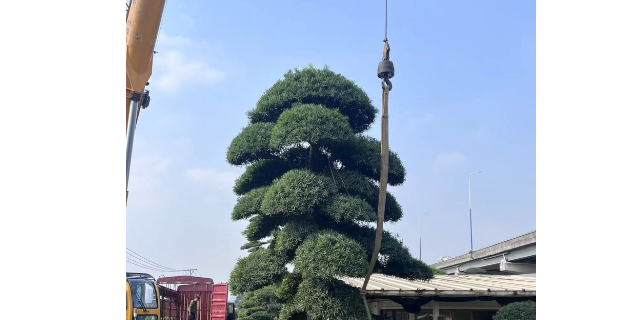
463 100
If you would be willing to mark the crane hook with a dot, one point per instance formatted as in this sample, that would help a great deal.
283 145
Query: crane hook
386 70
387 82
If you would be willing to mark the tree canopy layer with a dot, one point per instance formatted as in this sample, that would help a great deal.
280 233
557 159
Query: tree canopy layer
310 194
261 304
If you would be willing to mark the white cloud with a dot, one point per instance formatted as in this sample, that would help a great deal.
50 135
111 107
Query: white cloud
449 159
176 69
145 179
152 166
165 40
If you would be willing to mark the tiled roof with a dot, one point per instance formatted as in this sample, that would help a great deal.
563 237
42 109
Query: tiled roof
449 285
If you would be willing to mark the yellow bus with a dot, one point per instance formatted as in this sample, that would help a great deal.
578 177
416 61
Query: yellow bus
142 297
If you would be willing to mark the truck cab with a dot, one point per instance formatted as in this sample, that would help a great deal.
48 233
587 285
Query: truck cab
142 297
231 311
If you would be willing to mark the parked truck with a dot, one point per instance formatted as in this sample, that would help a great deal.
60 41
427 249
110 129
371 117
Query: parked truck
177 292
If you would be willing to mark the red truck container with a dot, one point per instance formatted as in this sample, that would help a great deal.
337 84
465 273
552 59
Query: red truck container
219 300
177 292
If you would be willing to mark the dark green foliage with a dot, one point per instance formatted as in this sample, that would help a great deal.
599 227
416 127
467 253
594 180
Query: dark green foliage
289 286
297 192
517 311
310 123
408 267
329 254
252 246
367 159
292 235
365 235
261 304
346 209
310 184
298 157
394 259
251 144
289 312
249 204
261 227
356 184
437 272
314 86
259 269
260 174
328 299
252 249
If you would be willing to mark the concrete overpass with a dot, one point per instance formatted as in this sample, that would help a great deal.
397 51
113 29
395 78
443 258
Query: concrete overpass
513 256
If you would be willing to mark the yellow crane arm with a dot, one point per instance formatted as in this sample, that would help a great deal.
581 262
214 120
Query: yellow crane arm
143 24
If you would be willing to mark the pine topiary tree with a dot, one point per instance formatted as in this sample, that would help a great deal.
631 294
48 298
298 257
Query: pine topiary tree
310 194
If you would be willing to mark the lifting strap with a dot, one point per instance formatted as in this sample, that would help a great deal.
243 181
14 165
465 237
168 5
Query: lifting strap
386 71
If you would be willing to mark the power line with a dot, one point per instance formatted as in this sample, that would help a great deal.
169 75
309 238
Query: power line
146 262
142 266
141 261
135 263
157 265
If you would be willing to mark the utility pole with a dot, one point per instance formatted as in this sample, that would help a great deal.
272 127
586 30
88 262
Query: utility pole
470 221
191 271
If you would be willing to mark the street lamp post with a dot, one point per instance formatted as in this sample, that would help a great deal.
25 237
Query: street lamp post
470 221
421 235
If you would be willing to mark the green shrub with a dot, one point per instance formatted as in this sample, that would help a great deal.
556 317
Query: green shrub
517 311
